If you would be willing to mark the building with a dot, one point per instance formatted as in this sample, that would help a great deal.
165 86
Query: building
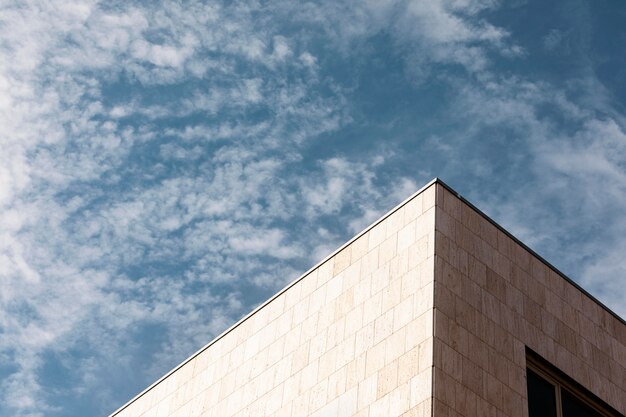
432 310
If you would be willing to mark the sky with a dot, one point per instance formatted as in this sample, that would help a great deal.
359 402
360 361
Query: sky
167 166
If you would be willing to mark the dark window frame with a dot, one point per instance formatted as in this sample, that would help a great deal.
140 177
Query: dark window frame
561 381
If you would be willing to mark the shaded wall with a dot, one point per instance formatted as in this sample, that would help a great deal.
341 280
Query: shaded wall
493 298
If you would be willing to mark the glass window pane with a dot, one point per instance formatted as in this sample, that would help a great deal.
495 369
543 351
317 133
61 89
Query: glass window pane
541 396
573 407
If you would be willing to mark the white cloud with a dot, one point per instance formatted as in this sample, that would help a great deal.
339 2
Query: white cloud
308 59
72 233
577 179
427 32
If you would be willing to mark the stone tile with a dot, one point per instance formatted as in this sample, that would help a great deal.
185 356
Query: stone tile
387 379
337 383
367 390
421 387
377 235
375 359
428 198
359 248
355 371
408 365
403 313
342 260
348 403
395 345
413 209
399 400
388 249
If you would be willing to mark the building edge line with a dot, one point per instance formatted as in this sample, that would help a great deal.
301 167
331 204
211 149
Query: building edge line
434 309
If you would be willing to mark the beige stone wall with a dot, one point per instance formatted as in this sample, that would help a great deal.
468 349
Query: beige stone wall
492 299
427 312
353 337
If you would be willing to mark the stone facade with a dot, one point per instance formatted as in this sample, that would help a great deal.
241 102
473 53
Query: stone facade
428 311
494 298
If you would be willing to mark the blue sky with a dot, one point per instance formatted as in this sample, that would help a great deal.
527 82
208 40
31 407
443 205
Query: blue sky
164 168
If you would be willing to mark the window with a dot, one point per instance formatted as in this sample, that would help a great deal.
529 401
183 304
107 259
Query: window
541 396
552 394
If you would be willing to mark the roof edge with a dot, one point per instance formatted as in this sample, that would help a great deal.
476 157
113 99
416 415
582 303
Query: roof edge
284 289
